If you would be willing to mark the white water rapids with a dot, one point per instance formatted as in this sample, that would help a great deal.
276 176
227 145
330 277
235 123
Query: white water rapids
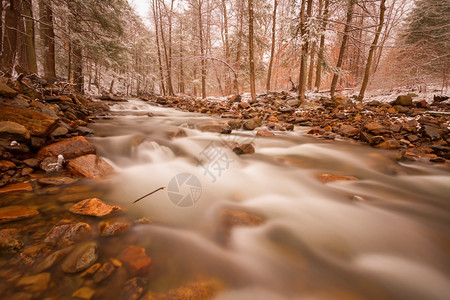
383 236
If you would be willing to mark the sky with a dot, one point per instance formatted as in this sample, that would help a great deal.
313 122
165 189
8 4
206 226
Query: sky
141 7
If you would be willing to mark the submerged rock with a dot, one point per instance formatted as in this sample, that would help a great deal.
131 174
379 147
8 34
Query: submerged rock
133 289
34 283
67 234
85 293
325 178
10 240
81 258
15 213
93 207
113 227
136 260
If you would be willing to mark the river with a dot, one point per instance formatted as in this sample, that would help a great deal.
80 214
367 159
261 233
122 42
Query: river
383 235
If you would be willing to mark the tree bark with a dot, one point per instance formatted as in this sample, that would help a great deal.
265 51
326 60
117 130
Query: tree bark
311 66
351 4
47 35
78 67
239 44
202 48
372 50
161 74
166 54
10 49
251 50
1 26
320 59
304 59
272 48
30 36
227 42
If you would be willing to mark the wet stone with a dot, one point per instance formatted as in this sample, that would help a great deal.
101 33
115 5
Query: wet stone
133 289
35 283
15 213
85 293
69 148
67 234
91 270
264 133
10 240
325 178
90 166
72 196
389 144
378 139
348 131
52 259
94 207
13 131
136 260
81 258
104 272
52 164
244 149
114 227
6 165
32 163
46 181
252 124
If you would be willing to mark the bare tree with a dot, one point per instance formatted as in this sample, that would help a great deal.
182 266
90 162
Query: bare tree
272 48
251 55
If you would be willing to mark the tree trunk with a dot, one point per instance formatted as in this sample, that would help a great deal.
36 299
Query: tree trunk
9 54
78 67
311 65
181 88
227 42
320 59
251 56
372 50
161 74
305 46
202 48
272 48
166 54
239 44
30 36
47 35
351 4
1 27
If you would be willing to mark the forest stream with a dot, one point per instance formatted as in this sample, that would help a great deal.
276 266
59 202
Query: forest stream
301 218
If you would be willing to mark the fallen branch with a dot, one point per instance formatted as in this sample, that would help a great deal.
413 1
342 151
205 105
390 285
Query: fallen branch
146 195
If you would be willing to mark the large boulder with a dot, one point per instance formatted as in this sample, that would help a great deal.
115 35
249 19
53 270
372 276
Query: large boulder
405 100
90 166
35 122
13 131
252 124
6 91
71 148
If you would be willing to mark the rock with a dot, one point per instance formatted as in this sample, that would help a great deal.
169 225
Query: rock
214 127
230 218
133 289
136 260
432 132
264 133
389 144
46 181
378 139
70 148
421 104
244 149
410 126
176 133
60 131
113 227
412 138
90 166
81 258
34 283
252 124
349 131
325 178
6 165
272 119
52 259
404 100
293 102
35 122
52 164
15 213
235 98
200 289
13 131
104 272
376 128
316 130
32 162
85 293
16 187
84 131
37 142
10 240
440 98
67 234
243 105
6 91
93 207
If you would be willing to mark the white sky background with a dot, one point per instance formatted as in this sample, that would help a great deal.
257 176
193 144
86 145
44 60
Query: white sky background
142 7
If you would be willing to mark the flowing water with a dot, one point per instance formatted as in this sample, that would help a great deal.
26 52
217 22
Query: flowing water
383 236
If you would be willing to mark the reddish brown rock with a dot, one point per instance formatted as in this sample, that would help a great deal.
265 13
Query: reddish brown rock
272 119
104 272
136 260
376 128
81 258
6 91
214 126
325 178
34 283
349 131
252 124
232 218
389 144
6 165
15 213
244 105
90 166
93 207
67 234
244 149
200 289
70 148
56 181
13 131
16 187
133 289
114 227
10 240
35 122
85 293
235 98
264 133
52 259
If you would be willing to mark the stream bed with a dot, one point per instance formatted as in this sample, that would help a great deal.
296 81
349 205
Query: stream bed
301 218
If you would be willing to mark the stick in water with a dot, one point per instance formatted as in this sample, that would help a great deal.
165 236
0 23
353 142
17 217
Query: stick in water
146 195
